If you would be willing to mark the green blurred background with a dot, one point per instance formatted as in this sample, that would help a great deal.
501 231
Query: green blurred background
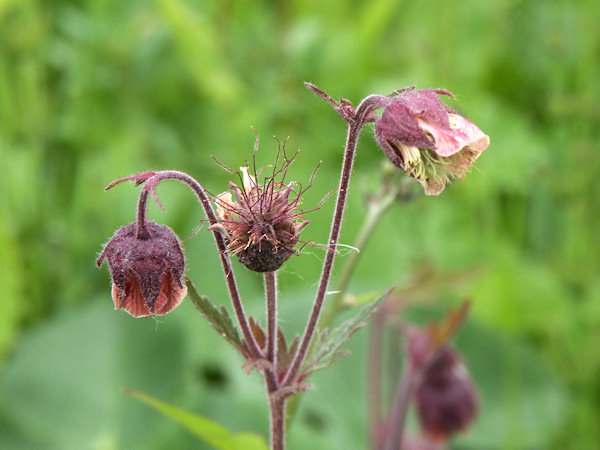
91 91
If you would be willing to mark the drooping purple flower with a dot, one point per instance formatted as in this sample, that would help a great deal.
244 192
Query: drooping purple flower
427 140
146 270
445 397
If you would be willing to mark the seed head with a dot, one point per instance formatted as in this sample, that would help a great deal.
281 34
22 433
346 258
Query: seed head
262 225
146 270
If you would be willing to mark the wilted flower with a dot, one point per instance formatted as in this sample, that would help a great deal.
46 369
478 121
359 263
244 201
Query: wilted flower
445 397
426 139
146 270
262 225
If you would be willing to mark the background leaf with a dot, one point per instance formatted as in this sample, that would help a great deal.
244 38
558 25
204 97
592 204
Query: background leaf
62 390
206 429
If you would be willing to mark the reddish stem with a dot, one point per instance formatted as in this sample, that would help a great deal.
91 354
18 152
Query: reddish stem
277 410
270 373
236 301
404 393
374 381
141 231
355 126
271 294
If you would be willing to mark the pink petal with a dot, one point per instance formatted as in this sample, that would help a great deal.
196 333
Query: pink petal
468 134
464 134
133 301
170 296
445 142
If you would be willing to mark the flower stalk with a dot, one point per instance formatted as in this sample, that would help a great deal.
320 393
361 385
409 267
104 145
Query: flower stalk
277 419
402 398
141 228
150 181
356 122
376 422
375 211
271 294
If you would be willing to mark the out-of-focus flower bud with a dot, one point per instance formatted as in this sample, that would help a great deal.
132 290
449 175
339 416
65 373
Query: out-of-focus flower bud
262 225
427 140
445 397
420 443
146 271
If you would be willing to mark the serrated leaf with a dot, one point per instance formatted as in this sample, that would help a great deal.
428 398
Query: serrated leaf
206 429
217 317
327 347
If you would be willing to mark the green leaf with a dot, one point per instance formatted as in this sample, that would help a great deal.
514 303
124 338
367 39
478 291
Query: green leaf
196 40
207 430
327 346
11 280
218 318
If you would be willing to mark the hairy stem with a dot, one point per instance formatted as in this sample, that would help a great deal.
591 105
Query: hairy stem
141 230
271 293
376 211
355 126
352 139
236 301
277 411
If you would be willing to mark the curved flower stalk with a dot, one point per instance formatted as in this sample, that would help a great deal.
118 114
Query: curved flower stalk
150 180
356 120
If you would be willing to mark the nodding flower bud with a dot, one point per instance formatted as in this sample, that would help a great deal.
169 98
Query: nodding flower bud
146 269
262 225
427 140
445 397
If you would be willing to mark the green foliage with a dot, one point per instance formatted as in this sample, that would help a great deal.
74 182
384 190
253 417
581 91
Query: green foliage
11 281
63 389
327 346
207 430
96 90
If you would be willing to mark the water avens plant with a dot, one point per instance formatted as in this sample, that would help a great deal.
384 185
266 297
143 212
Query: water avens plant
259 220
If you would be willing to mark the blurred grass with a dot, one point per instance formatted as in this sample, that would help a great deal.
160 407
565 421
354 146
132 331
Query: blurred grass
96 90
